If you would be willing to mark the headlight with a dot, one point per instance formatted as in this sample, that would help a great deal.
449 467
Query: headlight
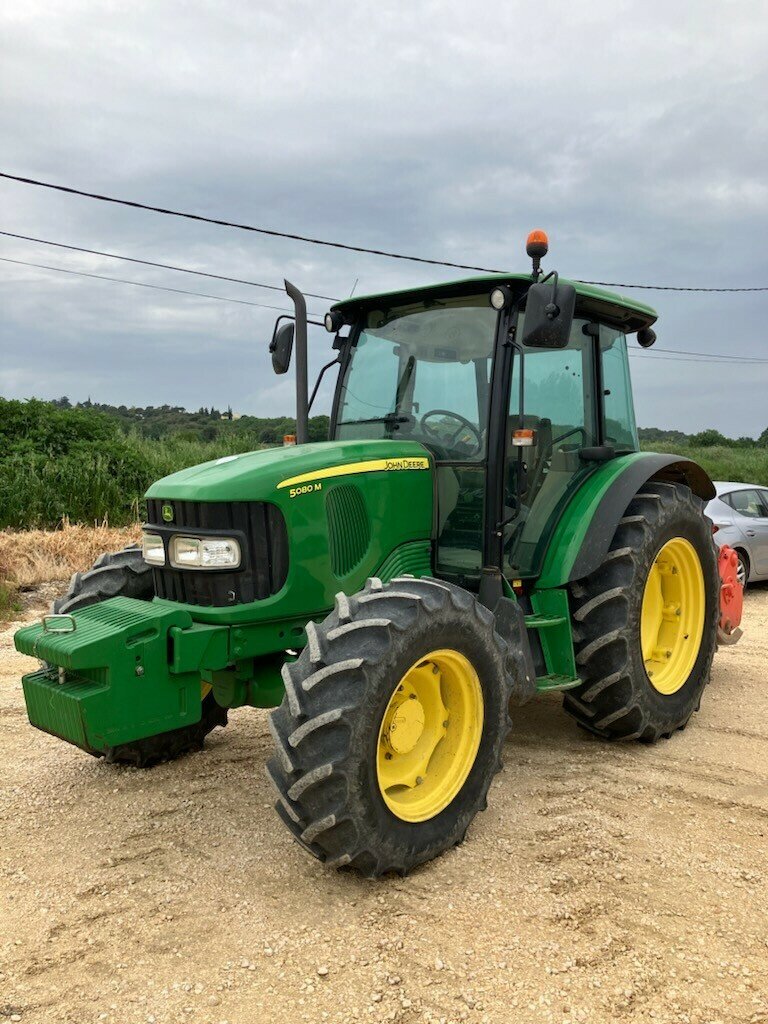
500 297
152 549
205 553
333 321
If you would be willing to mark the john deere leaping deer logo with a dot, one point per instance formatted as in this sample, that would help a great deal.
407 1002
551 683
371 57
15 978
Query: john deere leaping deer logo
167 513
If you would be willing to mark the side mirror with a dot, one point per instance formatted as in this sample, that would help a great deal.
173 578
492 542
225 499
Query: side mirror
281 347
549 309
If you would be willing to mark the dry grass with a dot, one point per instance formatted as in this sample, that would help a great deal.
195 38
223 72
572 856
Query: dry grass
31 558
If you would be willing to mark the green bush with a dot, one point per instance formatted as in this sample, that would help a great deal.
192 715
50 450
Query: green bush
740 464
91 463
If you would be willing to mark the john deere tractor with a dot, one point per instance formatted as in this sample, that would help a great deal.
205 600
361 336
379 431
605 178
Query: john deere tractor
479 528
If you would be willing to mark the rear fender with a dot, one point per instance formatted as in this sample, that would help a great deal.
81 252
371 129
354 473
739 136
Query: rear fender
586 527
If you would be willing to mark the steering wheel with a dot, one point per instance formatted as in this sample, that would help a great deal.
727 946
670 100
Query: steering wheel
450 441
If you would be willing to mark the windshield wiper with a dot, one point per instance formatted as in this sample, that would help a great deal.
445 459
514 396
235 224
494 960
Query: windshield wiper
390 419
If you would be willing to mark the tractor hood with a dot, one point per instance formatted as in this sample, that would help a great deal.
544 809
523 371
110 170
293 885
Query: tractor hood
277 472
312 519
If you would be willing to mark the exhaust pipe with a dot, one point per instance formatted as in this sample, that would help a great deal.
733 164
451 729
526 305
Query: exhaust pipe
302 384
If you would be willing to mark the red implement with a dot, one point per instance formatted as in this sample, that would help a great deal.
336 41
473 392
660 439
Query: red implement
731 597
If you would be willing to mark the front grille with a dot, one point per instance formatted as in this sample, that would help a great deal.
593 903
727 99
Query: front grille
257 525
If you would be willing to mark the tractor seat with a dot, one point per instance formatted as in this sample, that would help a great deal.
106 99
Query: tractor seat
536 457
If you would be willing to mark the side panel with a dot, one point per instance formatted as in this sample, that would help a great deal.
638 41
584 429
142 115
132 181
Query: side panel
583 535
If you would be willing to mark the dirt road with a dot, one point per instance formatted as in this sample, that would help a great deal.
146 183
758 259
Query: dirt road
604 883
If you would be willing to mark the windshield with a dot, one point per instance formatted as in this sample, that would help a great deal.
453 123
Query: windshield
421 372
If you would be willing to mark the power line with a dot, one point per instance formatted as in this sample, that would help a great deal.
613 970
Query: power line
700 355
142 284
161 266
681 355
240 227
166 211
688 359
664 287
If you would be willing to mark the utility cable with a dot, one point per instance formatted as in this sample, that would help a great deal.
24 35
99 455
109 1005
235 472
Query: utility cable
161 266
701 355
272 233
142 284
682 355
686 359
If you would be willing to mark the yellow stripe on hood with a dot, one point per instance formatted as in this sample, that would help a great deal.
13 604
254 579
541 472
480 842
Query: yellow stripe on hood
371 466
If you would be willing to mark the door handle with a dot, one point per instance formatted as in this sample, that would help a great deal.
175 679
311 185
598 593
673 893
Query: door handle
750 533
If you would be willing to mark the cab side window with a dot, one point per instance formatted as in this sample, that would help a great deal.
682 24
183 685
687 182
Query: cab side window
619 425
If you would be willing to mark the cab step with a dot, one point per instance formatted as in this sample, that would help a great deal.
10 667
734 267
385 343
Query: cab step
544 621
546 684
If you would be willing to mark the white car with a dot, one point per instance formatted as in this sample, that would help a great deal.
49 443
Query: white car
739 516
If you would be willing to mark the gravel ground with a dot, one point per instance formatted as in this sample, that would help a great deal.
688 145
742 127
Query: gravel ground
604 883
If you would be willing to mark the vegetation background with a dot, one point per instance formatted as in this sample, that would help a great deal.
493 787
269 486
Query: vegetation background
92 463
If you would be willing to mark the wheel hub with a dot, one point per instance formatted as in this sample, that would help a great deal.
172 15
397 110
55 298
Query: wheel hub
406 725
429 736
672 615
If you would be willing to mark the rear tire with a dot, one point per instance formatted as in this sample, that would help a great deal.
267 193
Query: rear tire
126 574
619 699
330 731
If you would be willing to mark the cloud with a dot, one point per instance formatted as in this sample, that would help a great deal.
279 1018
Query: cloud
631 131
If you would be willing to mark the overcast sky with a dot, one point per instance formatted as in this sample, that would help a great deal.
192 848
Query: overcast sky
635 133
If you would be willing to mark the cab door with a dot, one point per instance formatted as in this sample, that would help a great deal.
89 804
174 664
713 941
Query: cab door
559 405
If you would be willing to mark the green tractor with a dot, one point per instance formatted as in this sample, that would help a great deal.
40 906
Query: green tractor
481 527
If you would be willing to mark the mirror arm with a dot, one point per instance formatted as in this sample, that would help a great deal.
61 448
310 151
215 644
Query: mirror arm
320 376
302 405
283 316
553 273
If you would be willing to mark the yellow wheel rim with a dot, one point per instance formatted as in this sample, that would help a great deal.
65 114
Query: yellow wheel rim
205 689
672 616
429 735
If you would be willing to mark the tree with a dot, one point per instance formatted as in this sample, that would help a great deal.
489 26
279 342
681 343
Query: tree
709 439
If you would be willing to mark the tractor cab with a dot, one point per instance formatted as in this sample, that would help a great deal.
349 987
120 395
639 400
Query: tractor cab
516 420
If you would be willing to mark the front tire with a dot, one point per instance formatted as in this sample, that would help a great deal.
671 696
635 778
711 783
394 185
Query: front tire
392 726
126 574
645 622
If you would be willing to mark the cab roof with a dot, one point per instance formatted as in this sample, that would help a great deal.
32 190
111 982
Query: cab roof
629 314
